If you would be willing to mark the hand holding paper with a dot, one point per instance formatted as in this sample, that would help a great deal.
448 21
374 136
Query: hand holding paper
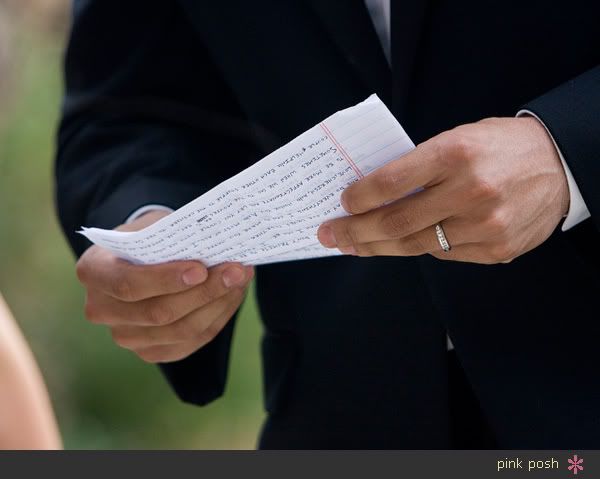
497 186
162 312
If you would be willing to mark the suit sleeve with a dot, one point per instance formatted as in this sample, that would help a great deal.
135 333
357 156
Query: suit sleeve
147 119
571 112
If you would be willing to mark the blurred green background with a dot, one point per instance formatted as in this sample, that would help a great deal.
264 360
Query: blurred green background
104 397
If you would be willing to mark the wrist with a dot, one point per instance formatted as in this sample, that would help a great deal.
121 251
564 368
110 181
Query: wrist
548 151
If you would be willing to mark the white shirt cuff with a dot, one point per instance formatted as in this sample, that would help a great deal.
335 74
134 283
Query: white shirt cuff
578 210
146 209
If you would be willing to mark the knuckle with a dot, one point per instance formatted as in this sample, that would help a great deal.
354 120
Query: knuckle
122 288
462 145
120 338
91 311
440 149
349 235
169 280
208 334
500 252
81 270
483 189
412 246
497 224
205 336
237 296
185 330
348 200
387 183
205 294
394 223
438 255
365 250
251 275
487 261
152 356
160 314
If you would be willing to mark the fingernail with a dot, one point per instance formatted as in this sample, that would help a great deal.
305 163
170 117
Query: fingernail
194 276
233 276
348 250
327 237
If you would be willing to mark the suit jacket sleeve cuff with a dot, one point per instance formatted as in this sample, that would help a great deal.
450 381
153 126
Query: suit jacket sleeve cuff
571 114
138 192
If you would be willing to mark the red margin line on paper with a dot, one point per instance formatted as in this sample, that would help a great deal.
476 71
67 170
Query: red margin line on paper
339 147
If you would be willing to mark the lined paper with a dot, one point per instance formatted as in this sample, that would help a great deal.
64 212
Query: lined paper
270 212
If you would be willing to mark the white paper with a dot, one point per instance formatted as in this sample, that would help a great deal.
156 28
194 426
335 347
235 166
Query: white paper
270 212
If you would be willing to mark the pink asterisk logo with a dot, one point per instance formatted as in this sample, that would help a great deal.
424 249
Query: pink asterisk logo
575 464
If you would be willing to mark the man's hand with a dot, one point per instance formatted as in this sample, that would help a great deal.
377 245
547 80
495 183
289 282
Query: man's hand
497 187
161 312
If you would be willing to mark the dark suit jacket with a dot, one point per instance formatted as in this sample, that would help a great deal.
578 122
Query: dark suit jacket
167 98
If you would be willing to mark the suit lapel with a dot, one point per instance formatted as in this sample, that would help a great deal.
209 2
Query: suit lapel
352 31
407 21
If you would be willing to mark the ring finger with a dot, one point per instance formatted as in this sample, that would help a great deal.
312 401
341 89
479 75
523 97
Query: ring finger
458 231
